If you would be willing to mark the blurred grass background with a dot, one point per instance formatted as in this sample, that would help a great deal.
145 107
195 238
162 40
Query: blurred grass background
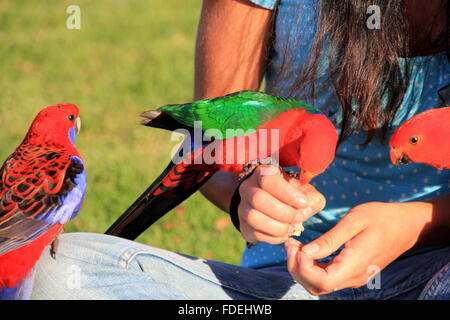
128 56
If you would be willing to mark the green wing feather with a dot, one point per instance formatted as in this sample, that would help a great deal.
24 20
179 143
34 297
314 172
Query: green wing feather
245 110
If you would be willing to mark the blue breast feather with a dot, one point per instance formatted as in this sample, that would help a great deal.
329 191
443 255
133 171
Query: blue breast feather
71 202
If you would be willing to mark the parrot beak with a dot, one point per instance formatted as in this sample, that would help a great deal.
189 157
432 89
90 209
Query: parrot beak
398 158
77 125
404 160
306 177
394 156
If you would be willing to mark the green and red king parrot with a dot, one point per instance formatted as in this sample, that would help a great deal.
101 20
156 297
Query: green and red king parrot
237 132
424 139
42 185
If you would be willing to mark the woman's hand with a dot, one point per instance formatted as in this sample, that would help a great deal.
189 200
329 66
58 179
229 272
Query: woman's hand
272 202
374 234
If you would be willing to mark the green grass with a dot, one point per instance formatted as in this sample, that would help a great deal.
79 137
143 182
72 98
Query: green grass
129 55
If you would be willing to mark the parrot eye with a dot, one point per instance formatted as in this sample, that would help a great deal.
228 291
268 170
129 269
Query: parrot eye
71 117
414 140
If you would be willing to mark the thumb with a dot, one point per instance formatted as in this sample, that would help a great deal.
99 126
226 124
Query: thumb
315 200
332 240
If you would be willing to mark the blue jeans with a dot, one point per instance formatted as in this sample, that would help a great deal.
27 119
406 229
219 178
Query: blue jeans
96 266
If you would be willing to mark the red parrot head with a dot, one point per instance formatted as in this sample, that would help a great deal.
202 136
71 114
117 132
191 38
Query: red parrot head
56 123
317 146
424 138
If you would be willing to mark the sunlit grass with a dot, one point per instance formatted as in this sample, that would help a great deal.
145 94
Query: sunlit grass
129 55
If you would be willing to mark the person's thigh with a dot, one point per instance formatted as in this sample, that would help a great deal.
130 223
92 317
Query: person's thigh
96 266
438 288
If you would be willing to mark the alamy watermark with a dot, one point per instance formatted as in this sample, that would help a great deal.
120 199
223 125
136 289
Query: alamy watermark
73 281
73 21
374 20
214 146
374 282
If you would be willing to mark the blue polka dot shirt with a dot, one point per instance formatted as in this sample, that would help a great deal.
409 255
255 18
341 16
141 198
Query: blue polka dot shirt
358 174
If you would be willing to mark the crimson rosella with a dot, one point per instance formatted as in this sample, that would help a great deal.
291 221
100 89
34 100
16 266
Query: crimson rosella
238 129
42 185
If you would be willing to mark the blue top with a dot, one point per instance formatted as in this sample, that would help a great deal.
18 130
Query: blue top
358 174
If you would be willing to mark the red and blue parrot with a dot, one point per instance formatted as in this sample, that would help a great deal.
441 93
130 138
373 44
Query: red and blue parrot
248 121
42 186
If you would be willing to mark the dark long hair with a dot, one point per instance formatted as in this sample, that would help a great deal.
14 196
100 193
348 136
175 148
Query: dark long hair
363 63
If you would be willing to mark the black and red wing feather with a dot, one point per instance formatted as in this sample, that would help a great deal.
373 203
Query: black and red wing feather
32 181
173 186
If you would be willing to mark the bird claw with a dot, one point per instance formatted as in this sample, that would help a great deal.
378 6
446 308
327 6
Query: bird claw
252 165
294 174
248 170
54 245
250 245
53 248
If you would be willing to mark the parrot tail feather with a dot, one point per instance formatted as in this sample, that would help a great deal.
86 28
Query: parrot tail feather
159 119
172 187
150 115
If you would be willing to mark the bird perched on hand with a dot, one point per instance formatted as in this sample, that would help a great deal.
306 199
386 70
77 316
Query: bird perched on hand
42 185
424 139
238 130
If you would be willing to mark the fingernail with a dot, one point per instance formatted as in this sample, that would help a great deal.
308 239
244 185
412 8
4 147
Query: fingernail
291 245
300 201
306 212
299 217
302 215
311 249
289 250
